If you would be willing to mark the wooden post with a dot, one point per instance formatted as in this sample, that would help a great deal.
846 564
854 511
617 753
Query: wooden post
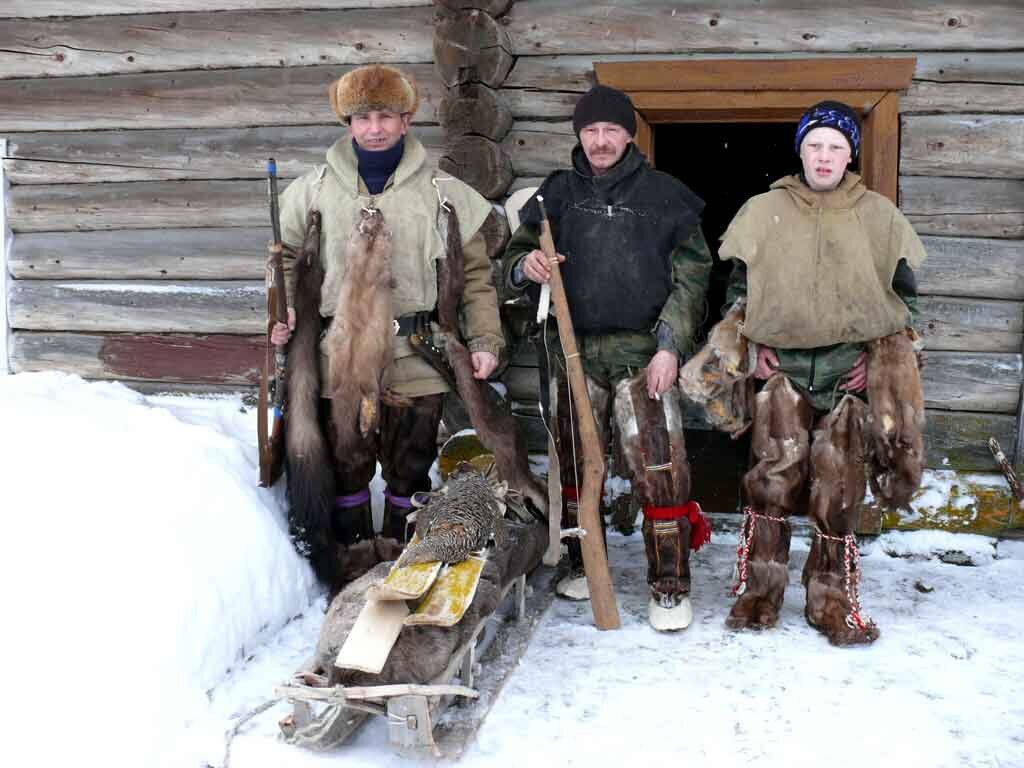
5 244
595 560
644 138
880 153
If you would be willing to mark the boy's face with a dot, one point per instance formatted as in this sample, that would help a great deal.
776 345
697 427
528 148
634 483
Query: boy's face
378 129
603 144
825 153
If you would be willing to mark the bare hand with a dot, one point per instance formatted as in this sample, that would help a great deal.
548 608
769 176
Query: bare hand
857 378
661 373
536 266
281 333
484 364
767 362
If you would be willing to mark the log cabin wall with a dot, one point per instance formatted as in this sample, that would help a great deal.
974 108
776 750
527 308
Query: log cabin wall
961 178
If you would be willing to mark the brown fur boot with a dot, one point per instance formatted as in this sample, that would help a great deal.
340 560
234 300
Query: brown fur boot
667 543
763 565
831 577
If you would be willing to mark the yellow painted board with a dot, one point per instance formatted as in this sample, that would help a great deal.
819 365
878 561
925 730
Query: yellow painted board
451 594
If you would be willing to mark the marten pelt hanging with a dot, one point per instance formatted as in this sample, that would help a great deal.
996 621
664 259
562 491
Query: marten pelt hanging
307 455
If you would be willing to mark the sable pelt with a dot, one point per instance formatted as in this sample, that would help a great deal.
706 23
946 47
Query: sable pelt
311 480
896 421
422 653
780 447
717 377
360 342
837 461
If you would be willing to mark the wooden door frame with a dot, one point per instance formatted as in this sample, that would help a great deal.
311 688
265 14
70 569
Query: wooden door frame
767 91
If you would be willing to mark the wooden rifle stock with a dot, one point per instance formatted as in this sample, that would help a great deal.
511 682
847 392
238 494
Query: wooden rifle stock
595 559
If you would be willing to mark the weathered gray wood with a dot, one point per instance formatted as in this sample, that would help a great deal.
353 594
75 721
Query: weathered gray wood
553 26
150 155
958 440
191 99
5 340
42 8
971 325
533 104
479 162
962 381
233 253
474 108
967 266
493 7
472 47
166 358
963 145
971 66
539 152
962 97
138 306
225 39
967 207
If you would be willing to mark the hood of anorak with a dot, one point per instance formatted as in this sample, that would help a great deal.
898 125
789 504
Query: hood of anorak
850 190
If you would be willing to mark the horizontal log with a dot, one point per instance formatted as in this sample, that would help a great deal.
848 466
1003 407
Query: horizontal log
962 98
167 358
959 440
150 155
967 207
233 253
538 152
971 325
542 27
220 40
967 266
960 381
990 146
138 307
43 8
191 99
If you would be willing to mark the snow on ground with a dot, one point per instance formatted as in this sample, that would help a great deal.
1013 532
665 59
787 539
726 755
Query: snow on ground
155 597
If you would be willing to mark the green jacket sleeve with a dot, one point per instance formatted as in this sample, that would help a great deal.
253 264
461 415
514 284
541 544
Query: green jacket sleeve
686 305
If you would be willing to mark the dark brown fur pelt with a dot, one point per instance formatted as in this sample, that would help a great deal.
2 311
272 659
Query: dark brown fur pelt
827 605
360 342
837 468
307 455
896 421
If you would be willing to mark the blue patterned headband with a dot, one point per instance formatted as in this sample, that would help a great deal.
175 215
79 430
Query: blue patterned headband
839 117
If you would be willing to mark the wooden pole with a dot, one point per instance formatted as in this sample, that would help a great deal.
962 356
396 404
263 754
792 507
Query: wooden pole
595 560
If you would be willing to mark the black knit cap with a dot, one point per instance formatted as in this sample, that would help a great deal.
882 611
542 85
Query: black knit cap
604 104
830 114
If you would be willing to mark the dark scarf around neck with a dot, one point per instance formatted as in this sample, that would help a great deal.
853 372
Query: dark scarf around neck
376 168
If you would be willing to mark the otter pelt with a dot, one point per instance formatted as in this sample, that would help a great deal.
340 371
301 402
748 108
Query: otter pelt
837 467
896 419
360 342
718 376
492 420
422 653
780 447
307 454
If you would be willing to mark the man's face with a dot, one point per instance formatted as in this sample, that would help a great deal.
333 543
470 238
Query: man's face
603 144
825 153
378 129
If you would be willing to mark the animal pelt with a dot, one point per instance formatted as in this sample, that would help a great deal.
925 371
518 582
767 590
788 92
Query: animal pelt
493 422
780 447
837 467
307 455
651 437
360 342
718 376
422 653
896 419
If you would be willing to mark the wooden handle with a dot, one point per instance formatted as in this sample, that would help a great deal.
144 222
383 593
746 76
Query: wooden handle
595 560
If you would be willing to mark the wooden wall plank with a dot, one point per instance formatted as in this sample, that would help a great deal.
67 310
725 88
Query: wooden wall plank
43 8
149 155
967 266
139 306
234 253
971 325
538 152
990 146
191 99
966 207
962 97
961 381
959 440
541 27
880 154
222 40
179 358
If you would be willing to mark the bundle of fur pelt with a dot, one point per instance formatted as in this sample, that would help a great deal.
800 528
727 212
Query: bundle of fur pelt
895 443
837 460
422 653
307 455
780 447
717 377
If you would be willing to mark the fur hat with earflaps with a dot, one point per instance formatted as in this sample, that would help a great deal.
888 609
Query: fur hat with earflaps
374 86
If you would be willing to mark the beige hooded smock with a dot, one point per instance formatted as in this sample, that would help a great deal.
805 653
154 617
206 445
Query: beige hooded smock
820 264
410 206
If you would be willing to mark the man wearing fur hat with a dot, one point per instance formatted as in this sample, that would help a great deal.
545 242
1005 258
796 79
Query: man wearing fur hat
825 268
378 178
636 270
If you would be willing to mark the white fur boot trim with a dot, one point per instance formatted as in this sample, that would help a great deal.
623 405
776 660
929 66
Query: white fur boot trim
573 588
669 619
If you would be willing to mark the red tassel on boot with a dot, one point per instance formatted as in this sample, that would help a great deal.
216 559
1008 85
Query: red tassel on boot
700 528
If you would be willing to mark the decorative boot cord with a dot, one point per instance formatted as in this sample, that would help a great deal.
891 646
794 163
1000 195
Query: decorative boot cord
851 557
743 550
700 528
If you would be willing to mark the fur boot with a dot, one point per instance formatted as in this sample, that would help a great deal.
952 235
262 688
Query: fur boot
667 544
